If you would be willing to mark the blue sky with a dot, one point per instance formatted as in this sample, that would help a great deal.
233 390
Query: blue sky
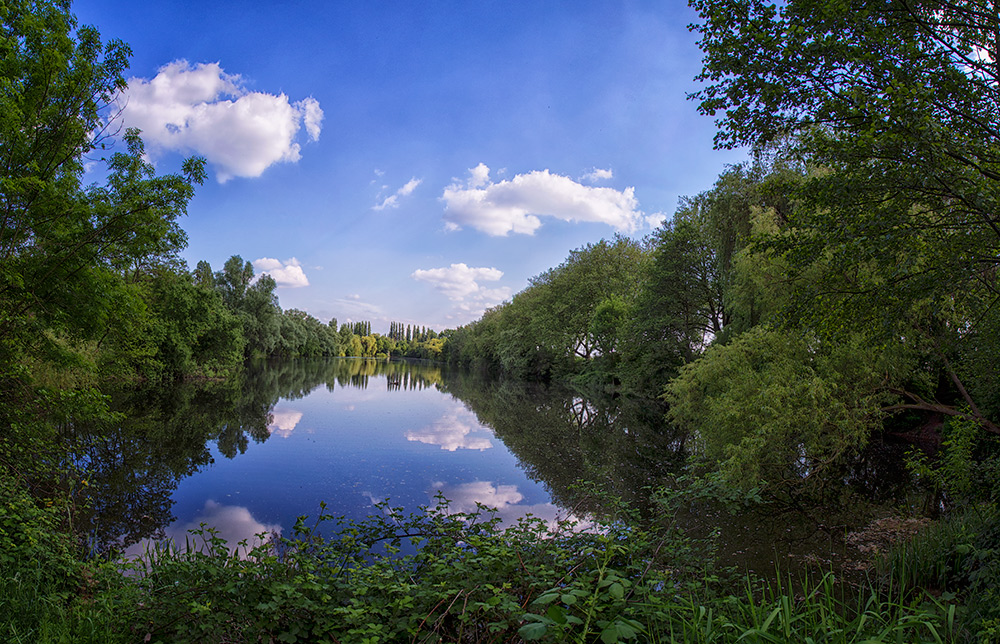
409 161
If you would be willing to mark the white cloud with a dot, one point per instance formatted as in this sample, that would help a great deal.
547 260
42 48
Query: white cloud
597 174
479 176
392 201
465 496
203 110
459 281
354 296
451 432
506 499
287 274
516 205
656 220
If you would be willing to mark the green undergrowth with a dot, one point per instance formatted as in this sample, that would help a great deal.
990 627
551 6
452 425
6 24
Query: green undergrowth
957 558
432 576
438 576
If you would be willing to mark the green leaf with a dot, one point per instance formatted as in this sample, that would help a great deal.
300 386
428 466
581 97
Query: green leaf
532 631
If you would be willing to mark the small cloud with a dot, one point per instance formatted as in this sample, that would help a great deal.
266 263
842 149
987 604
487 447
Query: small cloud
409 187
201 109
458 281
656 220
312 116
354 296
232 523
287 274
506 499
392 201
596 175
479 176
517 205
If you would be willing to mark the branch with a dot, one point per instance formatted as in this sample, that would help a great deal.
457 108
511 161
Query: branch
920 404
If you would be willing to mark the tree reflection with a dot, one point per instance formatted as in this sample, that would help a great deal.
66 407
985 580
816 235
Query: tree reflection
562 438
132 467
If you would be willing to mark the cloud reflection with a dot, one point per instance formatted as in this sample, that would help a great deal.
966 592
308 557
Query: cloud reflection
505 498
233 523
451 432
283 421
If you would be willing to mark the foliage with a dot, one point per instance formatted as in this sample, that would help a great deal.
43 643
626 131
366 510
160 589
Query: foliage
557 326
46 592
965 472
775 407
890 105
437 576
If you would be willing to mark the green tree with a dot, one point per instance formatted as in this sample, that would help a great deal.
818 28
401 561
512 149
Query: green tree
233 281
252 300
777 408
259 314
893 106
203 275
569 294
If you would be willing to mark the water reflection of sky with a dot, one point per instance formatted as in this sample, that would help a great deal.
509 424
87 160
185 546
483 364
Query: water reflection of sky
233 523
350 446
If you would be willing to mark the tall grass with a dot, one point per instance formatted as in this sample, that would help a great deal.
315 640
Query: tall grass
956 558
31 614
772 613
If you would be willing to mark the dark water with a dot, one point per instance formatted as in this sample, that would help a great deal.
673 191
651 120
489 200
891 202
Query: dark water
252 454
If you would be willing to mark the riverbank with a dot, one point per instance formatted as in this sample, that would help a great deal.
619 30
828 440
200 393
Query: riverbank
435 576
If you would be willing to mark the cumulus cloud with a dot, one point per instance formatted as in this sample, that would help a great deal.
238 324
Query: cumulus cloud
203 110
656 219
597 174
479 176
458 281
517 205
287 274
392 201
451 432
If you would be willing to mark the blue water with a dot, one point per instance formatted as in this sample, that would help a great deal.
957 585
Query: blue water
351 447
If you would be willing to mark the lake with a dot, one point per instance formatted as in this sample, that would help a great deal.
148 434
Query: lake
253 453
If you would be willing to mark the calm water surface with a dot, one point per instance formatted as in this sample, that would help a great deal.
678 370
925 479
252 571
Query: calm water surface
252 454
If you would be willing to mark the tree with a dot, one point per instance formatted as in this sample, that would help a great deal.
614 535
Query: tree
233 281
679 308
58 239
569 294
893 105
260 315
203 276
777 408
